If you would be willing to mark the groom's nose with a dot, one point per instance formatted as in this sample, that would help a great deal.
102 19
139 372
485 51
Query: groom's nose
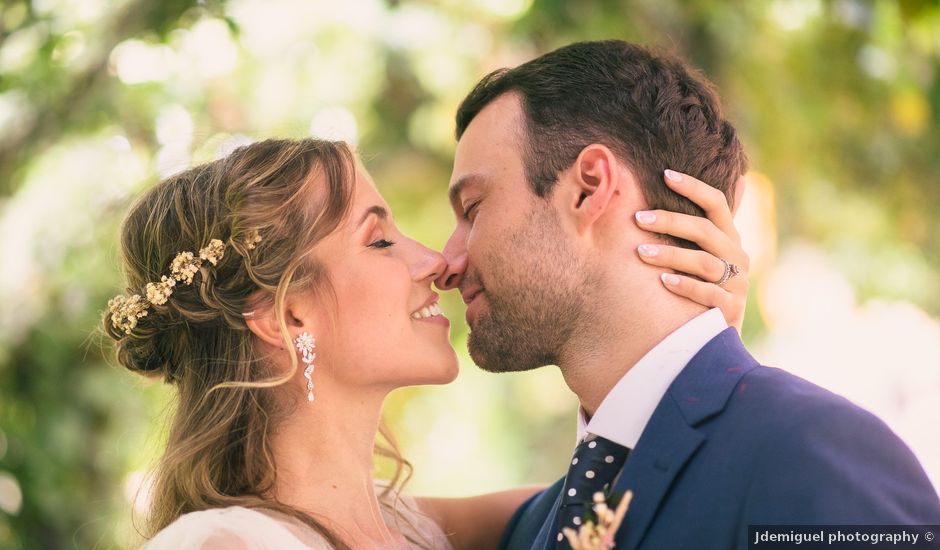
455 253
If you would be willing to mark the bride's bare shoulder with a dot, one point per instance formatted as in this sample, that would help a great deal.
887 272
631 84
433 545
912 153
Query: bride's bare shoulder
232 528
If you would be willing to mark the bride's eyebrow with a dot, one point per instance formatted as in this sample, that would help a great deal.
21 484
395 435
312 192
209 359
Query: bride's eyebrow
379 211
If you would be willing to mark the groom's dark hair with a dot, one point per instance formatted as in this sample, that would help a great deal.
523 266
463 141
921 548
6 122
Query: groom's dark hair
652 109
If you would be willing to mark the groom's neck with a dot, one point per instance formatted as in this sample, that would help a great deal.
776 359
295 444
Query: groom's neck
620 334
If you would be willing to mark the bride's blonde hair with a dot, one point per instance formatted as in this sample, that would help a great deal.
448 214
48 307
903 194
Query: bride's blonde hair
291 194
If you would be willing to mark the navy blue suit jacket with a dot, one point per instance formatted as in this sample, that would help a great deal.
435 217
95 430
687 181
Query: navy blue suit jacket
733 444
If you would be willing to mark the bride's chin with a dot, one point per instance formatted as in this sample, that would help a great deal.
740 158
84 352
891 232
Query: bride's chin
430 381
451 374
443 374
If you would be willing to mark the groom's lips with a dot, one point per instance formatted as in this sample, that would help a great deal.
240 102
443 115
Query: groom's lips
471 299
469 294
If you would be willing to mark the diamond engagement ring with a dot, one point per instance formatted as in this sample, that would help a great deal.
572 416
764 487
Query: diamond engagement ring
730 271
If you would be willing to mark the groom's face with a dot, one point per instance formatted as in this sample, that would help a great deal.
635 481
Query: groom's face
509 255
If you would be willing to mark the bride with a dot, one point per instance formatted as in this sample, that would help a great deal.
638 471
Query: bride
272 289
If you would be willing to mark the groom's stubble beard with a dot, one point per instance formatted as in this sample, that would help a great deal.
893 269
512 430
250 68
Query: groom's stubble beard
535 296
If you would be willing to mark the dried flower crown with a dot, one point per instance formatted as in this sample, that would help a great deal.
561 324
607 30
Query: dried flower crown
126 310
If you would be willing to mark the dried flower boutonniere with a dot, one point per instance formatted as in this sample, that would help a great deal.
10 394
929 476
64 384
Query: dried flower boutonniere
597 533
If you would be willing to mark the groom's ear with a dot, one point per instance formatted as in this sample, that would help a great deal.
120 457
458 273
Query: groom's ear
594 186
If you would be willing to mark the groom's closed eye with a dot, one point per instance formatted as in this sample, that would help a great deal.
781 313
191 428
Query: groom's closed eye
467 185
469 210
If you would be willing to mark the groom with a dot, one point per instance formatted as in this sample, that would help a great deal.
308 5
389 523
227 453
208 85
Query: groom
553 159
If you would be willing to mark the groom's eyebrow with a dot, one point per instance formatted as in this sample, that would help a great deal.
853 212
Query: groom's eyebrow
457 188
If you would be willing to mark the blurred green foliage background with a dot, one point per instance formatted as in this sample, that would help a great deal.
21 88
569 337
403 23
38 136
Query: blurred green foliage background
838 103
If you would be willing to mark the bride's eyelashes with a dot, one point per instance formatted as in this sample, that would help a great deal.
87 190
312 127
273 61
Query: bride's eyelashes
382 243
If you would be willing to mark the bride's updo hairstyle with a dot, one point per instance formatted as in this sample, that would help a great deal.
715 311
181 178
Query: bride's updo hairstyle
269 203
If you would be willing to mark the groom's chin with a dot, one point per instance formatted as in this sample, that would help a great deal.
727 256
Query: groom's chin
495 358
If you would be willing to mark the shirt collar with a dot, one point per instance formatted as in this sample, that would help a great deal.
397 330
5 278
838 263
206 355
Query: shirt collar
624 412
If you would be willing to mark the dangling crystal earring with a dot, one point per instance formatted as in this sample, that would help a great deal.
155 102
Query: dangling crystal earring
305 344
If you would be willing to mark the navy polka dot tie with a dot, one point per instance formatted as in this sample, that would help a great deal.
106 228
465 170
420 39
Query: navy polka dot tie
594 466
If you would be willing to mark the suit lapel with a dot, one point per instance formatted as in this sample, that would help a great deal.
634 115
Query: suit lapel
546 538
670 439
527 530
666 445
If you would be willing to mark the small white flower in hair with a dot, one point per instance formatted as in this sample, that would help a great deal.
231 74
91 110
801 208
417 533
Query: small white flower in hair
213 252
159 293
125 311
253 239
184 267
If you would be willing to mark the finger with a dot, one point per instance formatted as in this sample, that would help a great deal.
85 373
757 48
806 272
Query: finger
712 201
707 294
698 263
691 228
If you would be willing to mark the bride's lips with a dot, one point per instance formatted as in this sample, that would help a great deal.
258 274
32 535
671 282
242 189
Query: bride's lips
437 320
430 312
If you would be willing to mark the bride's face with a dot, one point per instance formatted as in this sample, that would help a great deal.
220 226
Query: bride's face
385 328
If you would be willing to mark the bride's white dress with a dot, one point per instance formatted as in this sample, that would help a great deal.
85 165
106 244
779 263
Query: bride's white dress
238 528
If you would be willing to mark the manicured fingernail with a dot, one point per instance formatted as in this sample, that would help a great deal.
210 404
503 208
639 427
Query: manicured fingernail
648 250
673 176
670 278
645 217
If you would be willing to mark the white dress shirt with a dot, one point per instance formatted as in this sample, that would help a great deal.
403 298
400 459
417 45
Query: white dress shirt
625 411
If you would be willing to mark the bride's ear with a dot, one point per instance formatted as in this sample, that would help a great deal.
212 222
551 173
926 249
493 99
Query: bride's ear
593 185
262 321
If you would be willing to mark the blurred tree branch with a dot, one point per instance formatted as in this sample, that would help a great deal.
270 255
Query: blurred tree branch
60 111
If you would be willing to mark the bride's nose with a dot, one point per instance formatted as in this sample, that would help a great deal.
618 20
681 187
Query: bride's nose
429 264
